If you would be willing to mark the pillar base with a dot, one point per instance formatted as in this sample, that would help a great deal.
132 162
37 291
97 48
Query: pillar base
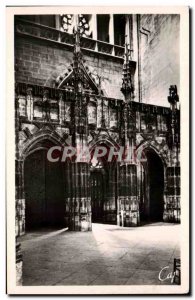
128 215
19 264
172 212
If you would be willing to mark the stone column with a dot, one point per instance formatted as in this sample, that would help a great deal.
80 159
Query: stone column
19 182
127 30
57 20
78 200
19 264
172 198
135 54
111 29
172 209
19 198
110 205
128 206
93 24
58 25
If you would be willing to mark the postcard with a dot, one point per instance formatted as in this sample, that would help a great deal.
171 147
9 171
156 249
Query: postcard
97 150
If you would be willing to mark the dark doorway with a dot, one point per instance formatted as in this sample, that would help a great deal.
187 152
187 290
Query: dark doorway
44 191
152 189
104 194
97 195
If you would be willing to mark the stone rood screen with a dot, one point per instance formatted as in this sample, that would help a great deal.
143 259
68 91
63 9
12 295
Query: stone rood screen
90 133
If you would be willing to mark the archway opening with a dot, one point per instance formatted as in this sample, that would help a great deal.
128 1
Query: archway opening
98 188
44 191
152 188
103 183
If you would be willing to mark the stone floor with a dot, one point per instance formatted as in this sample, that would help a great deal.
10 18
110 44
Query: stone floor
109 255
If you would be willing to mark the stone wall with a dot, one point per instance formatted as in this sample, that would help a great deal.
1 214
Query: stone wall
41 62
159 52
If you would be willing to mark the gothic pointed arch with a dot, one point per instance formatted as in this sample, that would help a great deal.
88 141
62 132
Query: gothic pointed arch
43 139
103 139
160 150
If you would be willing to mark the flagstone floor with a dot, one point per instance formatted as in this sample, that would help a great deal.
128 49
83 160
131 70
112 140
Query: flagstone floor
109 255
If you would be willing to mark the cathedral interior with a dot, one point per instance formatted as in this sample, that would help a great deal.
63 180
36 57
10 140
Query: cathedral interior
97 80
88 81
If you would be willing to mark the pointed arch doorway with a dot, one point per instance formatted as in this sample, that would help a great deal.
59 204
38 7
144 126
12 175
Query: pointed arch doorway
44 191
152 187
104 192
98 188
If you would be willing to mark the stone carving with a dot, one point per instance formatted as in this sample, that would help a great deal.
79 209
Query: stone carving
92 114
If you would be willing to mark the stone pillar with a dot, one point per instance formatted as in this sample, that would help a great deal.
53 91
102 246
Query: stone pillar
135 54
19 219
19 182
19 264
93 24
127 29
78 200
172 193
128 207
110 205
19 197
172 209
57 21
111 29
58 25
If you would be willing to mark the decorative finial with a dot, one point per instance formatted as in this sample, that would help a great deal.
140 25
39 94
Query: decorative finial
103 122
77 35
173 97
77 58
128 72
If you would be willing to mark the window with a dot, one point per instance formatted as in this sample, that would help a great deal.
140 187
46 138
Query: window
119 30
103 28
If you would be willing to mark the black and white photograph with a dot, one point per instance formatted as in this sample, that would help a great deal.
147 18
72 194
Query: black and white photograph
99 107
